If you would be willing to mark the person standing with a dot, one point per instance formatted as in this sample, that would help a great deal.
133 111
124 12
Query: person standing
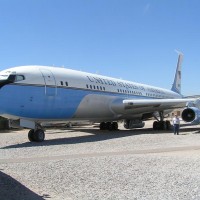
176 124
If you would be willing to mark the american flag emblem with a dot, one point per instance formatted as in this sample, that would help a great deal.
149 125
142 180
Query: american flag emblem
179 74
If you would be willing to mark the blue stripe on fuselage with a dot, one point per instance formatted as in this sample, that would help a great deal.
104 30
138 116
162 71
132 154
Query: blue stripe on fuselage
32 102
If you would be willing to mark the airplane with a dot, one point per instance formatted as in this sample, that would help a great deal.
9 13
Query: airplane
32 95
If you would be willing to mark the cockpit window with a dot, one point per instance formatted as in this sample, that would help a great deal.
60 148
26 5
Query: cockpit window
16 78
19 78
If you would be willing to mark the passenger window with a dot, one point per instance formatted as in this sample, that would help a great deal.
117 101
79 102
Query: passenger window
66 83
61 82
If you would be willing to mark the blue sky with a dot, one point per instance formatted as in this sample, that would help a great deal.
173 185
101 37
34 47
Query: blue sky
129 39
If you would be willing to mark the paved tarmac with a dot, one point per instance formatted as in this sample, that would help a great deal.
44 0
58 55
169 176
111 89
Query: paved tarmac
86 163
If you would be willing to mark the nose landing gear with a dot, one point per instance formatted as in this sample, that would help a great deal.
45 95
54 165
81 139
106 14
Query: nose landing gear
36 135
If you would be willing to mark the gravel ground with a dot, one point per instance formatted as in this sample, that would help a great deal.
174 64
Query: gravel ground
86 163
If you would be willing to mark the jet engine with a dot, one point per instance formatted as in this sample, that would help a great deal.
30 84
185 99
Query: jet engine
192 115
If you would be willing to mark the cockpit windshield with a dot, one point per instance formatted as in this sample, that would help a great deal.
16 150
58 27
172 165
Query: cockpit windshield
10 78
15 78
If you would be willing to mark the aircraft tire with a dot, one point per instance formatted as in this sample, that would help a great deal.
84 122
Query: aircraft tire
110 126
168 125
39 135
163 125
102 126
115 126
31 135
155 125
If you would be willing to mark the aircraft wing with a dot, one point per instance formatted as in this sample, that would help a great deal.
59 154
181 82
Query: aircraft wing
148 105
162 103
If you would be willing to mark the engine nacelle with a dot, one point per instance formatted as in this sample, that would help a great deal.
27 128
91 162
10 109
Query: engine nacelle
191 115
130 124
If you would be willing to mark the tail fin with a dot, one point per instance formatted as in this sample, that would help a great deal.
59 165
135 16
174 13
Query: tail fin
176 87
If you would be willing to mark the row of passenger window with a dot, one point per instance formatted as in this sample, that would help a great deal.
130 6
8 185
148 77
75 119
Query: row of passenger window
95 87
129 92
156 95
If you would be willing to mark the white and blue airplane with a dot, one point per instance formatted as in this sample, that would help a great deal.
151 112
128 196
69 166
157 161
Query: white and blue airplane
32 95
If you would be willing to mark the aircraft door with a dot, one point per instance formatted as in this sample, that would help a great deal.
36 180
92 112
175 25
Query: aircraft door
50 82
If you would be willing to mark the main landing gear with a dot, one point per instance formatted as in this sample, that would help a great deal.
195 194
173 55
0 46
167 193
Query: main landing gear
161 124
36 135
111 126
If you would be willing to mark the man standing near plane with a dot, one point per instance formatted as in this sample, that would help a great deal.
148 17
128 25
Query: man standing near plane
176 124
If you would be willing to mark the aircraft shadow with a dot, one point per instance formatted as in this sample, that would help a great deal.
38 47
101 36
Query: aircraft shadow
12 189
95 136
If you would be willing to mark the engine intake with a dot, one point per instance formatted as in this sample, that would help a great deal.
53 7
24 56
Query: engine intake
191 115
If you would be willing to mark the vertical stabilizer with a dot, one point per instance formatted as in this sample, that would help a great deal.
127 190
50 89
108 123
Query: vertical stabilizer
176 87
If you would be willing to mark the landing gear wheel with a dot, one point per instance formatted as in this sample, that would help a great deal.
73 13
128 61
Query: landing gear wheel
155 125
39 135
31 135
161 125
168 125
108 126
115 126
102 126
